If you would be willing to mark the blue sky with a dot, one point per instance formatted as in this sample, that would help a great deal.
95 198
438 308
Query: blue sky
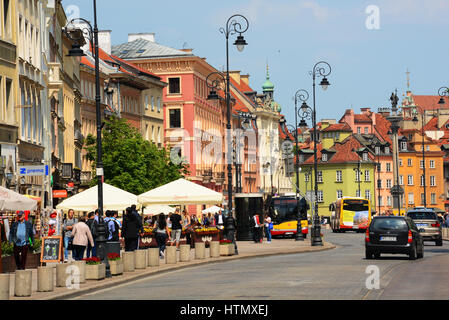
367 64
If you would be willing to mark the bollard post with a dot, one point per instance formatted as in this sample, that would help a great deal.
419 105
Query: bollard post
139 259
214 249
61 274
184 252
200 250
128 261
23 282
45 279
153 257
170 255
4 286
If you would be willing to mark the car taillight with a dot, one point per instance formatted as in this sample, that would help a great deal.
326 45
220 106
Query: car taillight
410 237
435 225
367 236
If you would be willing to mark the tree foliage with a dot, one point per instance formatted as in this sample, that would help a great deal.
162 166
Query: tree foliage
130 162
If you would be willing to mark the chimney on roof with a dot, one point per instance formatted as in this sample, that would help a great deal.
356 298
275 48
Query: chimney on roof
235 75
245 78
104 40
365 110
145 36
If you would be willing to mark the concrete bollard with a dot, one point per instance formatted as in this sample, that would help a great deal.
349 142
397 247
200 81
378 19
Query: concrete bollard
80 269
4 286
184 252
170 255
140 259
153 257
45 279
200 250
214 249
62 274
23 282
147 257
128 261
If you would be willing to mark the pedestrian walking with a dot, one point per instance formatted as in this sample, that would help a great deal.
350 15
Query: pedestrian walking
162 234
176 227
256 228
22 236
67 228
113 227
186 225
131 228
82 236
268 227
90 247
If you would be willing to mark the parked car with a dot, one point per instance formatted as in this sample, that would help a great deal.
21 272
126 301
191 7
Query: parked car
393 234
427 219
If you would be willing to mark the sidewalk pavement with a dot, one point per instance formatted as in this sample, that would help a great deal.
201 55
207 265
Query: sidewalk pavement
246 249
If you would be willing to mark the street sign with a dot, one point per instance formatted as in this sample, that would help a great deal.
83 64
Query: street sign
36 170
59 193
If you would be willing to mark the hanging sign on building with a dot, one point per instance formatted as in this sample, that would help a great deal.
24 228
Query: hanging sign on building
33 170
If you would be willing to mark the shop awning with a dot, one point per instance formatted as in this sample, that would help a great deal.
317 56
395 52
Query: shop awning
180 191
113 199
13 201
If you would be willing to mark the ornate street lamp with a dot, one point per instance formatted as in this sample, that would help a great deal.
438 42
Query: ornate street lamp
235 24
320 69
77 37
443 92
415 120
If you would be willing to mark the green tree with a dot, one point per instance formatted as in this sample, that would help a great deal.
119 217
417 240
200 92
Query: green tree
130 162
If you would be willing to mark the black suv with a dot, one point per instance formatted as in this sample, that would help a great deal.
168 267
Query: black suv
393 234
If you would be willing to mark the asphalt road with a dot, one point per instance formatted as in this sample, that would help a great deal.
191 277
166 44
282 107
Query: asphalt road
341 273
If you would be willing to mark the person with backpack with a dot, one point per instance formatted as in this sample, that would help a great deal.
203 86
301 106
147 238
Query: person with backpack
90 250
131 228
112 227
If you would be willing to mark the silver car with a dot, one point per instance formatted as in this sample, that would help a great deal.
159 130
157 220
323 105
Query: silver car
427 219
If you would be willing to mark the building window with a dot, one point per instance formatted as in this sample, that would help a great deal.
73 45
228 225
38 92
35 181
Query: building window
367 177
174 86
409 162
387 150
422 180
320 176
389 201
377 150
158 104
410 180
357 175
411 199
152 103
380 201
422 198
339 176
146 102
359 130
339 194
388 183
175 118
432 181
368 194
433 198
432 164
357 193
324 157
306 177
320 197
388 167
401 180
365 156
404 145
366 130
427 148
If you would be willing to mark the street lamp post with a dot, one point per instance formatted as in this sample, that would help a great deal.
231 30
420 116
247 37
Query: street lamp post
76 51
320 69
415 120
235 24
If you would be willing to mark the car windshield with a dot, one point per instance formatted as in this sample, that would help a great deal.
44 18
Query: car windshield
422 215
389 224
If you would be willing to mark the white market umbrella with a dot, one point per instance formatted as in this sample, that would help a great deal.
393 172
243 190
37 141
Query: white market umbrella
113 199
13 201
156 209
180 191
213 209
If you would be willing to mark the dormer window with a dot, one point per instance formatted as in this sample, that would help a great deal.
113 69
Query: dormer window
387 150
324 157
404 145
377 150
365 156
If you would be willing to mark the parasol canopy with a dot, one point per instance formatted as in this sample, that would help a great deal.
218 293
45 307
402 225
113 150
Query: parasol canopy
13 201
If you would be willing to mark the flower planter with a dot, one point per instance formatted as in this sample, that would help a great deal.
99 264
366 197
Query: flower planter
95 271
116 267
227 249
9 263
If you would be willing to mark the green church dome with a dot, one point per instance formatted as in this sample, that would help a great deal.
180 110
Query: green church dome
268 85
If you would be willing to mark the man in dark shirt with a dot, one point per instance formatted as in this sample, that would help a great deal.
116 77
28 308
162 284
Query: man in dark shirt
176 227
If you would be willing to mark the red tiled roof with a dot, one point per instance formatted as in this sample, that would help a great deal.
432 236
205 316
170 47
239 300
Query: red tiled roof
428 102
382 127
432 125
338 127
358 118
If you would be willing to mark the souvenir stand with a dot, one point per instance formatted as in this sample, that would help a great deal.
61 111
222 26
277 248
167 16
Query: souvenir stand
182 192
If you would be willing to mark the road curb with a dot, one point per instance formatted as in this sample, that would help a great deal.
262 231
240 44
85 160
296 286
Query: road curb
179 266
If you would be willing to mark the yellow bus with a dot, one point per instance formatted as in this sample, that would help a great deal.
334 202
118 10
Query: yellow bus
350 213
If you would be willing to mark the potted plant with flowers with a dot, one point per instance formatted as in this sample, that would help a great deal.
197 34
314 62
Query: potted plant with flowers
95 270
226 248
115 264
